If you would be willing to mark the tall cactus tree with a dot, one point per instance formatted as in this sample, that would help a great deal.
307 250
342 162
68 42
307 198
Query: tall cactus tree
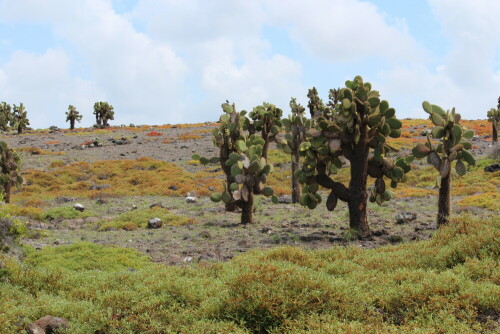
453 145
20 118
296 126
241 157
103 112
359 124
494 118
5 116
72 115
10 166
315 104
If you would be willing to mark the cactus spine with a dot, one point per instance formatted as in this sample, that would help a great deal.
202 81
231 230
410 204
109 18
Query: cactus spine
494 118
5 116
72 115
356 121
453 146
10 166
20 118
296 126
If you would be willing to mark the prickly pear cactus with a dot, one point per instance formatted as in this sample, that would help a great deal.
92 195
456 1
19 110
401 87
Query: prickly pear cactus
5 116
452 146
266 121
494 118
103 112
296 126
20 118
315 104
72 115
356 130
10 166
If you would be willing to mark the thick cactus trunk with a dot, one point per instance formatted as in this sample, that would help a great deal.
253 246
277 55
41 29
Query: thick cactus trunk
495 132
19 129
7 188
444 201
358 196
224 156
247 210
72 124
295 181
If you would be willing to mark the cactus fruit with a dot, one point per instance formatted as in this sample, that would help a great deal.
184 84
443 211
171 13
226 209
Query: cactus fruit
355 123
20 118
5 116
10 166
453 146
296 126
72 115
241 158
103 112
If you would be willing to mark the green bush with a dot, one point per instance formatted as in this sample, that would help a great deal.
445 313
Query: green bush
67 212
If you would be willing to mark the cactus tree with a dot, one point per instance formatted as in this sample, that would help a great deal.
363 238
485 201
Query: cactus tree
5 116
20 118
359 124
9 170
453 145
315 104
494 118
103 112
72 115
296 126
266 120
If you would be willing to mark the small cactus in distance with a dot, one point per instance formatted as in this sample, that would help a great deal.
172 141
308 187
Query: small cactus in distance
10 166
20 118
296 126
5 116
356 124
453 146
72 115
494 118
103 112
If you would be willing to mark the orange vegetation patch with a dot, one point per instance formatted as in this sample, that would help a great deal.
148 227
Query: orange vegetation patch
487 200
52 142
154 134
37 151
481 127
140 177
188 136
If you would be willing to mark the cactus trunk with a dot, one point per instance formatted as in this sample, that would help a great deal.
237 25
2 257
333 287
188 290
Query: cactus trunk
7 187
295 181
224 156
19 129
357 189
495 132
247 209
72 124
444 201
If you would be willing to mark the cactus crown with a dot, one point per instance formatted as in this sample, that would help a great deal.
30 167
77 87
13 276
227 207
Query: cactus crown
295 126
453 141
73 114
20 116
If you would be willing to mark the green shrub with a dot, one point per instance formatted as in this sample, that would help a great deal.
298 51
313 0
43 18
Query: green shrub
64 213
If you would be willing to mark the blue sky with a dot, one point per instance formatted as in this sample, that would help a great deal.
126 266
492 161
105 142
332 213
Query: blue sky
171 61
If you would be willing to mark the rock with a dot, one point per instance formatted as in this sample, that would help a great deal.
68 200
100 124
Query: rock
173 188
316 236
134 207
79 207
187 259
64 199
405 217
492 168
285 199
101 201
191 199
155 223
154 205
47 325
99 186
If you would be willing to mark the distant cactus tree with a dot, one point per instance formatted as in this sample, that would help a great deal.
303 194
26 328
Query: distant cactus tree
5 116
242 161
20 118
453 145
266 120
359 122
296 126
10 166
315 104
494 118
103 112
72 115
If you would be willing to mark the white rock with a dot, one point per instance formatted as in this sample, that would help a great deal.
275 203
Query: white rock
191 199
78 207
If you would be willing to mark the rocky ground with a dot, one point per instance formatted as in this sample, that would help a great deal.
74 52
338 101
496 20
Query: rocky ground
216 234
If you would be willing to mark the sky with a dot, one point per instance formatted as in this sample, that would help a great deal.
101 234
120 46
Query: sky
176 61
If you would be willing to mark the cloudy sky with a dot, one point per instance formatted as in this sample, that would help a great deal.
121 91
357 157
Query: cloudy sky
173 61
